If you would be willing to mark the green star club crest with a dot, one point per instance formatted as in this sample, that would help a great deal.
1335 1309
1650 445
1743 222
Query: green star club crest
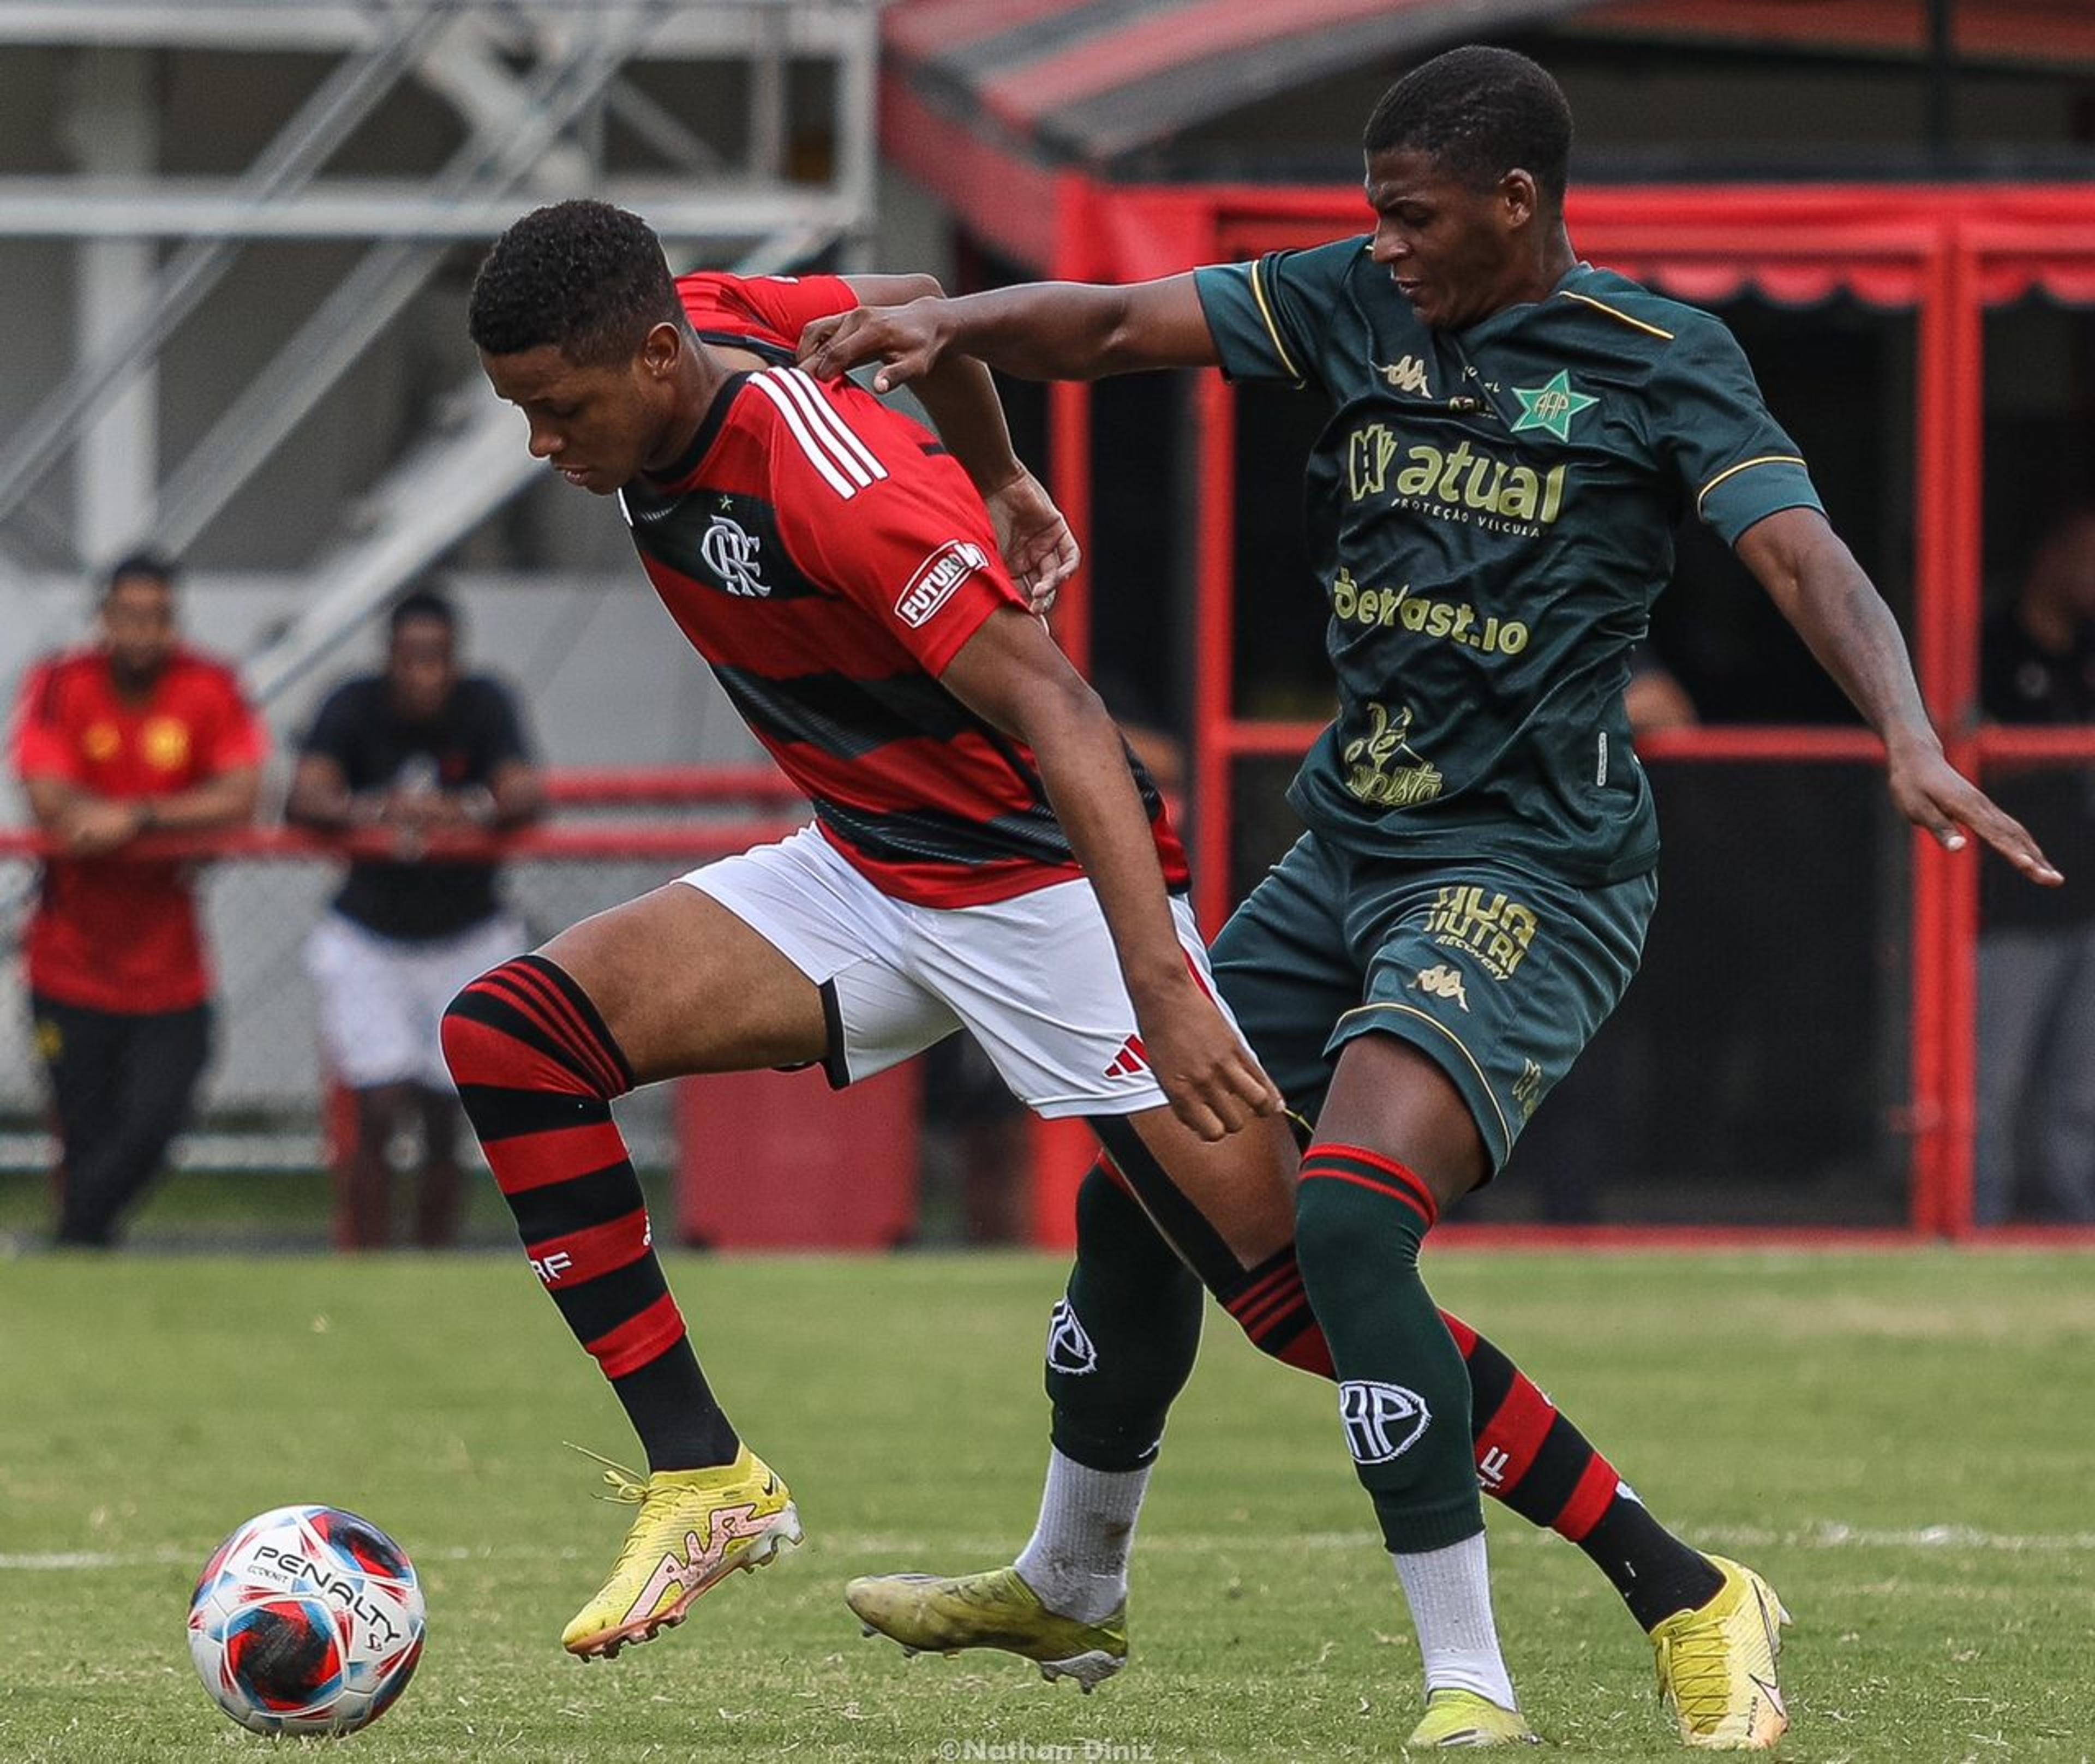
1550 406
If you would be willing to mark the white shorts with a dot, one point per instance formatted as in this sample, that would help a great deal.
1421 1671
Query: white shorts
1034 977
382 998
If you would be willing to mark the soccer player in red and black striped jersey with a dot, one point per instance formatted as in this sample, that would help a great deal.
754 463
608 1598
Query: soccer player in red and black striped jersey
985 852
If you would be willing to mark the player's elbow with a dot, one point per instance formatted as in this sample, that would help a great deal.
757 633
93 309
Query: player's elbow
1064 708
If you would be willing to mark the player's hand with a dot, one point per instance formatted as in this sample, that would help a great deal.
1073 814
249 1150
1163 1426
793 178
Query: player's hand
1035 541
91 828
1934 795
1214 1084
909 341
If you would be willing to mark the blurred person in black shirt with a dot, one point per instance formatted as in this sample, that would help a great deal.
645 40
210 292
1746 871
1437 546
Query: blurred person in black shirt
420 749
2036 949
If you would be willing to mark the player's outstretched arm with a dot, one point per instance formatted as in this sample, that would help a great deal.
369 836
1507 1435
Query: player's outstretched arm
959 396
1010 673
1817 585
1049 330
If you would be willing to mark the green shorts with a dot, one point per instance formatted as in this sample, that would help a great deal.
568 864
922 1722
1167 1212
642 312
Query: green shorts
1499 973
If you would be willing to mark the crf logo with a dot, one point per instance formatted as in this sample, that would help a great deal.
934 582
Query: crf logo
1382 1421
729 550
550 1268
1069 1349
1492 1467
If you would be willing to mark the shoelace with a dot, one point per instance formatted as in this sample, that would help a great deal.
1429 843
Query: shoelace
626 1486
627 1489
1702 1682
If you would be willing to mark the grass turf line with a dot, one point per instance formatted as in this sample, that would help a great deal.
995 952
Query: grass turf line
1899 1440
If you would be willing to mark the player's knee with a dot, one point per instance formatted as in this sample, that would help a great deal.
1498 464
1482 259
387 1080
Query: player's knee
1344 1232
465 1051
1105 1211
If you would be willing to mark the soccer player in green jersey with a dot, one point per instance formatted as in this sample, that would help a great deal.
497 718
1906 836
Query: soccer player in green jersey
1490 514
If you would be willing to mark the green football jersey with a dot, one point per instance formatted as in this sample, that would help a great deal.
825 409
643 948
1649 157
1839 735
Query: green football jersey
1490 514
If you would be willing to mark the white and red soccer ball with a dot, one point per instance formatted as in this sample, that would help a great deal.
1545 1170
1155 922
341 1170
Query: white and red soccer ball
307 1620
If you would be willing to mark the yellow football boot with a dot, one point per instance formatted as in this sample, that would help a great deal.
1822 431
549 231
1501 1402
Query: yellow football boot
995 1609
1457 1717
1717 1665
694 1528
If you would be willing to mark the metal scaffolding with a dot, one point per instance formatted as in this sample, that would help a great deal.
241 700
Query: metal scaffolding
534 86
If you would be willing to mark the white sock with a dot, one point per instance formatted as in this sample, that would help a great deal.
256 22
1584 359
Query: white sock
1450 1591
1077 1560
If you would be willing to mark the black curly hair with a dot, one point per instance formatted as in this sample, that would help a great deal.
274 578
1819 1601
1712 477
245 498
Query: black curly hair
1481 113
583 276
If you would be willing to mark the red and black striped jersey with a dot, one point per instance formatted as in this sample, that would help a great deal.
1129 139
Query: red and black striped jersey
828 560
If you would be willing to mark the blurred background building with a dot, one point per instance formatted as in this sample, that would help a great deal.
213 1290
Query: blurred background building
235 237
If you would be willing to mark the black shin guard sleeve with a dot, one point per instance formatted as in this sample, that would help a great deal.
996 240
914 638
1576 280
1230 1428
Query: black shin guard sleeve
1124 1336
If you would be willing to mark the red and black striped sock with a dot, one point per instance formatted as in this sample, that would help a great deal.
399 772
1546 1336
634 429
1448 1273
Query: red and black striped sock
1534 1460
536 1070
1271 1307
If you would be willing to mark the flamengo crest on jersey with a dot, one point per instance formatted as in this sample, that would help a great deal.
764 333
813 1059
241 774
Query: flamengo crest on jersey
731 550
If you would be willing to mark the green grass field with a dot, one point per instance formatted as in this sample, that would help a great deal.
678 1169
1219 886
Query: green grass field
1903 1442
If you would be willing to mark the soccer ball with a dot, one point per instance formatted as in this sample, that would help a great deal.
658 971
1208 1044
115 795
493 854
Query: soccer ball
307 1620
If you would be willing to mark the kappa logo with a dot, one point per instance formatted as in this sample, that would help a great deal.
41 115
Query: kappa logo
1069 1349
730 552
1443 981
1406 373
1382 1421
936 578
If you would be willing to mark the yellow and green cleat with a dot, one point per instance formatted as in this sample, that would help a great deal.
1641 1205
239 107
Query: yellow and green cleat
997 1610
694 1528
1458 1718
1717 1665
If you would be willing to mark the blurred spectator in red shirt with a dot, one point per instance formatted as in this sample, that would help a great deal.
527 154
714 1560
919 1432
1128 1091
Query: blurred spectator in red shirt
134 735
